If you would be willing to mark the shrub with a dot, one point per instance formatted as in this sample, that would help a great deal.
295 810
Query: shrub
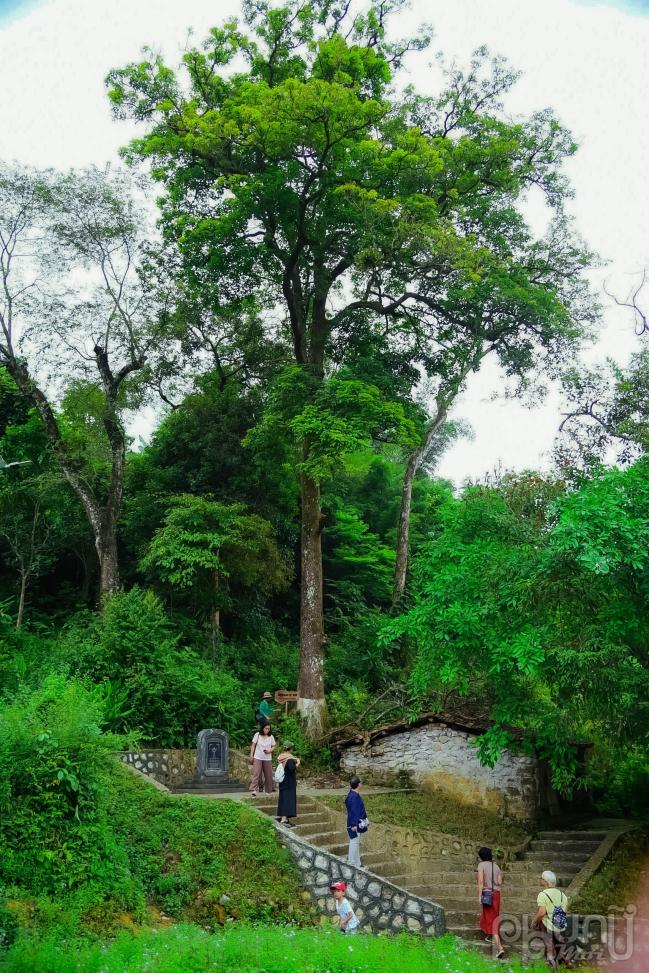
54 769
172 691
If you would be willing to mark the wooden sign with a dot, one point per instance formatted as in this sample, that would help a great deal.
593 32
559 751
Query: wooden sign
285 696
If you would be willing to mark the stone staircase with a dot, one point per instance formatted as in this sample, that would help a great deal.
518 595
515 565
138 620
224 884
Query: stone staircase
452 881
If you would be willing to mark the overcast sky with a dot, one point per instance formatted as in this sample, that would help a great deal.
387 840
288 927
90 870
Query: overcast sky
584 58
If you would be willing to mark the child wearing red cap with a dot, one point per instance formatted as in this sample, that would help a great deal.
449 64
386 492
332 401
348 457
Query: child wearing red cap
348 920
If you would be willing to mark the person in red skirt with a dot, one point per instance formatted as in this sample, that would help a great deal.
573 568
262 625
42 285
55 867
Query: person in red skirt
490 883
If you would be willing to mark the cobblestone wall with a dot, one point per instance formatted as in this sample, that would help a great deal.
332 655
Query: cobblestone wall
379 905
170 767
438 756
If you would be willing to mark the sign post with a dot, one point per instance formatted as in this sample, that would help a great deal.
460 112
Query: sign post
285 696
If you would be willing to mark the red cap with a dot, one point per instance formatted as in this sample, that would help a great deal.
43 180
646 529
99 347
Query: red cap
338 887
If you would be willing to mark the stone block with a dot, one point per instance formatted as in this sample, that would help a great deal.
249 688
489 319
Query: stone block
398 901
413 907
397 922
413 924
374 888
321 861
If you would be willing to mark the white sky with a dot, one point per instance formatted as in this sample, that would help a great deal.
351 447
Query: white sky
588 61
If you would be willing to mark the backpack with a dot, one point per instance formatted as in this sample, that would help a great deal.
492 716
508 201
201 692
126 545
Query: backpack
559 917
278 776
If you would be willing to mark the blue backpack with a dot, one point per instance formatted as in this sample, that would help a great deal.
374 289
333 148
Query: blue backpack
559 917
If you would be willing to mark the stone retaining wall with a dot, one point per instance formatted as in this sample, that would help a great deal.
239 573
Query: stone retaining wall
422 852
379 905
438 756
173 768
176 767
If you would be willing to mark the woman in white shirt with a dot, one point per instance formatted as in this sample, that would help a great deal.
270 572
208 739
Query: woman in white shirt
261 750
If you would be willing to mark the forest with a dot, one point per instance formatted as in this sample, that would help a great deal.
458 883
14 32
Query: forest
229 367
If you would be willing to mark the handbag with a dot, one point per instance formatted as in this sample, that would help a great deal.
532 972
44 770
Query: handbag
278 776
255 740
363 825
487 895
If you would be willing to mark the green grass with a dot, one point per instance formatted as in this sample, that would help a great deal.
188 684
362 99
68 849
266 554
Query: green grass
243 949
180 859
188 852
437 811
615 884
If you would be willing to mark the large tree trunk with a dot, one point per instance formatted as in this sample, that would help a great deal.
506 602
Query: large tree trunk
106 545
215 614
403 530
21 601
102 519
311 698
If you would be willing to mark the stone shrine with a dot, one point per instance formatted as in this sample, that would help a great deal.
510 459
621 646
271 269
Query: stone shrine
212 765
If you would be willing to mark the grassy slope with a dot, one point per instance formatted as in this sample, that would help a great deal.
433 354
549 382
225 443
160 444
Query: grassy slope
615 884
187 859
438 812
188 852
254 950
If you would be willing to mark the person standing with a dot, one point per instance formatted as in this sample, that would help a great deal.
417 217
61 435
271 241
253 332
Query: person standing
264 709
261 750
355 814
287 801
490 882
347 918
552 918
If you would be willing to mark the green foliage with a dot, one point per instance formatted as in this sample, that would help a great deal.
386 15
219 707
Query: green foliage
337 417
188 853
536 600
210 545
85 845
187 949
172 691
616 883
54 768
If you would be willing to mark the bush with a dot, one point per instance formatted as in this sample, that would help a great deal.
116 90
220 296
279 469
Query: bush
54 771
8 924
620 781
172 691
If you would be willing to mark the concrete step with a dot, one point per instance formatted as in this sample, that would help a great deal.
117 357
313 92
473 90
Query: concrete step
569 859
510 892
535 867
568 847
570 835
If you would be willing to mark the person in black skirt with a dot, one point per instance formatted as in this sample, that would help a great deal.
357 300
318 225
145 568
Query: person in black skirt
287 803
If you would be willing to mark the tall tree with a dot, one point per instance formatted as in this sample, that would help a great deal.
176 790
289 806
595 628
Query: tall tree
293 171
209 546
72 303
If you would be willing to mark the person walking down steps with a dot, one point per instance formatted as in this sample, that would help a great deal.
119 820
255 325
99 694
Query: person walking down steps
261 756
356 821
287 782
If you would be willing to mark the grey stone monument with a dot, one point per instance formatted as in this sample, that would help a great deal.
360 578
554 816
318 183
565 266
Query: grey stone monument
212 753
212 766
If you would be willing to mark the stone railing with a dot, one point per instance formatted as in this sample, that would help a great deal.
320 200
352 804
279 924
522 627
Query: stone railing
379 905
